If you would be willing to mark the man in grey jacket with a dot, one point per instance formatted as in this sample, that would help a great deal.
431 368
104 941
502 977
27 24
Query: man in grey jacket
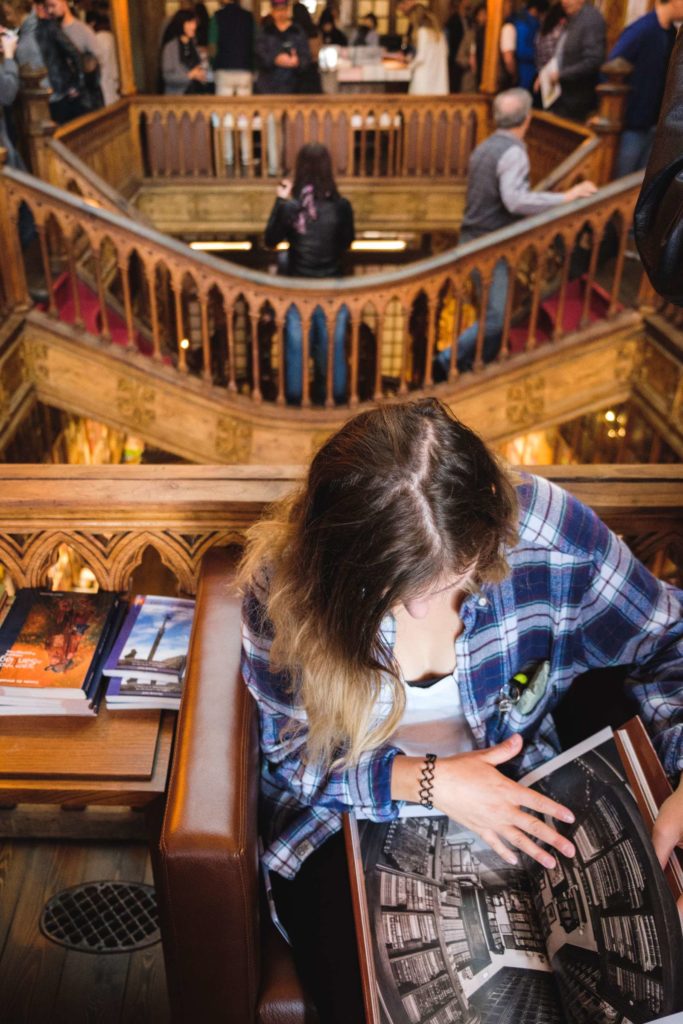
582 54
498 194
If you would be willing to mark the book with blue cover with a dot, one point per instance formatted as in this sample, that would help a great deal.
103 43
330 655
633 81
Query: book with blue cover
154 639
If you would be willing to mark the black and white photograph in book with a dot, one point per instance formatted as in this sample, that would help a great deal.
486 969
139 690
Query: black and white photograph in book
459 936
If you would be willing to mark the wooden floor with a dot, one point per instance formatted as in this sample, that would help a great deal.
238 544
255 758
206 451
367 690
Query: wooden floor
43 983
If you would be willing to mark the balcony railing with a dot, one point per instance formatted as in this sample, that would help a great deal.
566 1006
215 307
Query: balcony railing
128 285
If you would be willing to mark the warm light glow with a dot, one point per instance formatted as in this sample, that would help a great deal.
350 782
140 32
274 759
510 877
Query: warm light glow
610 416
379 245
221 246
282 246
621 432
611 433
92 202
185 343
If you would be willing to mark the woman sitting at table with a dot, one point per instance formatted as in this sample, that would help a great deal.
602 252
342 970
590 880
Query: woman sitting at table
181 66
429 66
318 224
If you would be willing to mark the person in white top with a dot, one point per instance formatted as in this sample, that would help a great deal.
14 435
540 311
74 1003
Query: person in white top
429 66
109 63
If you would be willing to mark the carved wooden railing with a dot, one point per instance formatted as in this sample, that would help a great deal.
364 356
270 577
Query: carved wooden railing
226 324
110 516
244 139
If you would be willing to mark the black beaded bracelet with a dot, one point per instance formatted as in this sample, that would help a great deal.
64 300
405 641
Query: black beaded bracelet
427 782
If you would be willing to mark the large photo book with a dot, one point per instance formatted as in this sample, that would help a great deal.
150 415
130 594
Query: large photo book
448 933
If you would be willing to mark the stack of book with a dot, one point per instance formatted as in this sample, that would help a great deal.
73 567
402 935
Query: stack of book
52 648
147 663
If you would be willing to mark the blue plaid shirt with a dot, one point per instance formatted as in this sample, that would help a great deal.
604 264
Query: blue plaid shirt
575 598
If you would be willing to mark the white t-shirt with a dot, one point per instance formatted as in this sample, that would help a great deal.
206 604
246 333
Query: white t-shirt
433 721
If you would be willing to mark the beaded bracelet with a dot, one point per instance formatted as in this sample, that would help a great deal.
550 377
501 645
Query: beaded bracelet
427 782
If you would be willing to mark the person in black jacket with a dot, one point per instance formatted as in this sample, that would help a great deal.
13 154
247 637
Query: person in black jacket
658 220
317 222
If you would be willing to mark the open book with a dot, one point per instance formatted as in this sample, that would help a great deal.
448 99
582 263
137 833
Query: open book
450 934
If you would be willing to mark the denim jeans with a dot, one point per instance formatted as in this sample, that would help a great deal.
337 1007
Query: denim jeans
493 332
317 341
634 151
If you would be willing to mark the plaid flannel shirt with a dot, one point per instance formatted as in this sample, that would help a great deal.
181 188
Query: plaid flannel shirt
575 598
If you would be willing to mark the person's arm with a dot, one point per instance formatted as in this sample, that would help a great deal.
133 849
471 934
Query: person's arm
279 222
173 71
420 54
589 52
658 219
366 787
518 198
9 82
508 47
303 50
347 229
266 49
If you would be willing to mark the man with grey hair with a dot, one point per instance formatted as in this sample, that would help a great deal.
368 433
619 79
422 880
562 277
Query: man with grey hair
498 194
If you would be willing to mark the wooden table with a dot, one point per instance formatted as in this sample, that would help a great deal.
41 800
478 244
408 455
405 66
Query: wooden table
111 765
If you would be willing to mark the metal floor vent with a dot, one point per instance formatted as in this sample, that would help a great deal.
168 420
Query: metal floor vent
103 917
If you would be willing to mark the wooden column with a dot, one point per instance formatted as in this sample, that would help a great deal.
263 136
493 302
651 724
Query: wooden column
121 28
14 284
609 120
490 70
37 122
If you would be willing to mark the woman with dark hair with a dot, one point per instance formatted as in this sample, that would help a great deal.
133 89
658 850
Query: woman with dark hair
317 222
389 603
330 34
181 66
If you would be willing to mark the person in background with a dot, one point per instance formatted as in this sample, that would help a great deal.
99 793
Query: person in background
477 50
109 62
387 604
507 46
64 69
282 51
203 19
429 66
181 65
527 24
9 88
317 222
582 55
548 43
454 30
646 44
231 49
330 34
658 219
87 44
498 194
366 33
20 15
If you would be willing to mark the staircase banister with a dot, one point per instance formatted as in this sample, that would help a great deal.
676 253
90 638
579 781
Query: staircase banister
332 288
101 188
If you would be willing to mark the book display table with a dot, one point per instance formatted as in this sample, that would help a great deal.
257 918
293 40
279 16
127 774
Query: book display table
111 765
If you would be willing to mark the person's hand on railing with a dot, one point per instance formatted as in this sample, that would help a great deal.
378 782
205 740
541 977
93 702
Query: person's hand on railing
284 188
582 190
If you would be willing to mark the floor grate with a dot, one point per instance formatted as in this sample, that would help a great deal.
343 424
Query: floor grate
103 917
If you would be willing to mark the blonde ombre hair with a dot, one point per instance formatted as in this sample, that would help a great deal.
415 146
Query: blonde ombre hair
399 497
423 17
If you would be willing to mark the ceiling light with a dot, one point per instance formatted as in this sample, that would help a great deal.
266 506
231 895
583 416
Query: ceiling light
379 245
185 343
221 246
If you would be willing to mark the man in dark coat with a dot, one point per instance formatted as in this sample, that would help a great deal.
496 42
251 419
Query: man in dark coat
582 55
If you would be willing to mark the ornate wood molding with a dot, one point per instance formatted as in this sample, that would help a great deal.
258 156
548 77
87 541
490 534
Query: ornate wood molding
110 515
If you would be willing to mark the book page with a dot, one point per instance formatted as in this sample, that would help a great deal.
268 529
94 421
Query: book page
550 90
608 917
454 930
458 936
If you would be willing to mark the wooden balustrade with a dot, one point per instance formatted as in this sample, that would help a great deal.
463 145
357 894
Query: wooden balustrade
242 139
110 516
229 326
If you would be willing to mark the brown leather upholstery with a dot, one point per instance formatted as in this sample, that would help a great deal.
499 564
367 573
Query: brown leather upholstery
222 963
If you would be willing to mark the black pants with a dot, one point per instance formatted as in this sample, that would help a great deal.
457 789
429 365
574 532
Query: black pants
316 909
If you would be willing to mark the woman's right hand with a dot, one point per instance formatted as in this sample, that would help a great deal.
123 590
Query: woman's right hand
198 73
470 790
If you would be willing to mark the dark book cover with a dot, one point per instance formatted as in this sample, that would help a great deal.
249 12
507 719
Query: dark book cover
50 640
